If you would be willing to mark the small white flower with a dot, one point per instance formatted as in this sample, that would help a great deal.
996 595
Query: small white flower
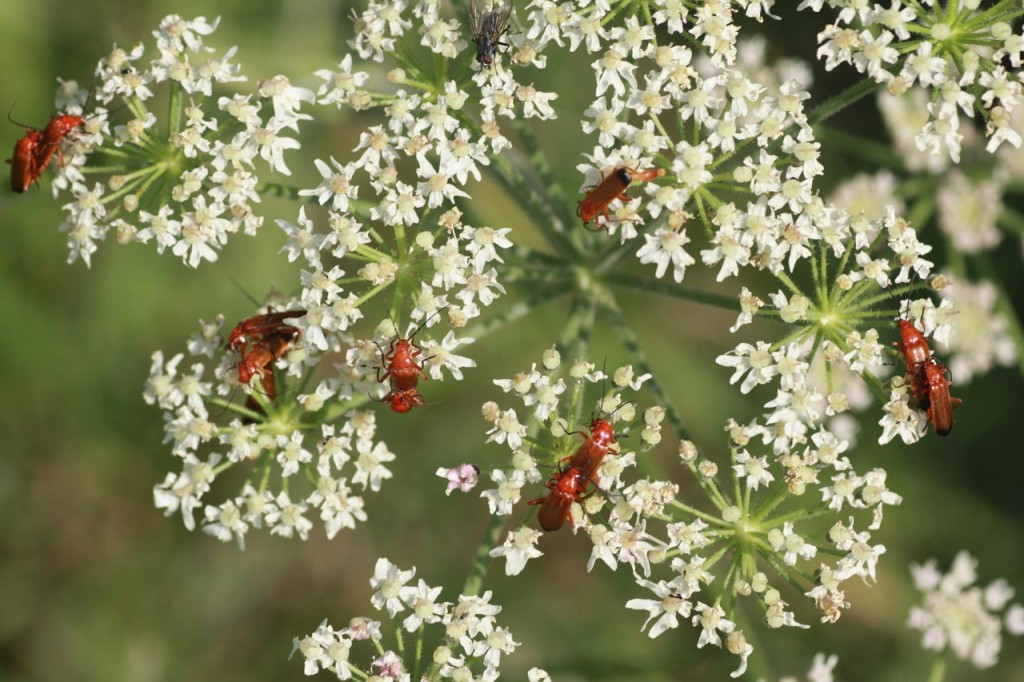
520 546
665 610
392 592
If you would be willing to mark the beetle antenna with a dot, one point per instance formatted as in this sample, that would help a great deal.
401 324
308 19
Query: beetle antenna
250 297
12 120
426 320
628 402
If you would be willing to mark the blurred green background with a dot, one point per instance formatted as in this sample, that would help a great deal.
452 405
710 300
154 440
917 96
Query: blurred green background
96 585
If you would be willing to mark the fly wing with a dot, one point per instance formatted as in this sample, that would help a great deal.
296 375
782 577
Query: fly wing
503 15
477 12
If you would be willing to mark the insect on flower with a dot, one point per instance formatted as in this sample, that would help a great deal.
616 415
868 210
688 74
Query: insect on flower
53 135
592 451
401 401
399 367
917 357
556 507
488 24
24 167
260 340
259 360
926 378
597 199
258 327
940 403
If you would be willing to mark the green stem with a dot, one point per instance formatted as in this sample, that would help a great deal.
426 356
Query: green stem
632 346
675 290
698 513
774 500
553 193
834 105
553 229
518 310
938 671
278 189
867 149
419 652
1012 221
478 571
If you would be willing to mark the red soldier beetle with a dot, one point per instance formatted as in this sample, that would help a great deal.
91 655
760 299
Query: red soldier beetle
259 360
400 368
926 378
591 453
24 167
399 365
401 401
940 403
53 135
917 356
597 199
566 487
259 327
260 340
263 352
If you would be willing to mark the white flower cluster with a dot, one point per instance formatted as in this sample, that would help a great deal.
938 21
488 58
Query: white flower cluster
542 390
640 525
969 60
730 135
473 641
979 338
838 324
968 197
963 617
316 433
187 184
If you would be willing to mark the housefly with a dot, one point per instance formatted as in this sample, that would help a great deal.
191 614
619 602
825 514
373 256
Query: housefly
488 23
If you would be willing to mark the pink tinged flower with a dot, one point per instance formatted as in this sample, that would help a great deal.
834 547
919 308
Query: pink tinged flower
463 477
389 665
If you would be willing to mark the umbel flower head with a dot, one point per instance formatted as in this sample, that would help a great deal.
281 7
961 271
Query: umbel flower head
472 642
743 532
964 54
186 182
300 436
958 615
